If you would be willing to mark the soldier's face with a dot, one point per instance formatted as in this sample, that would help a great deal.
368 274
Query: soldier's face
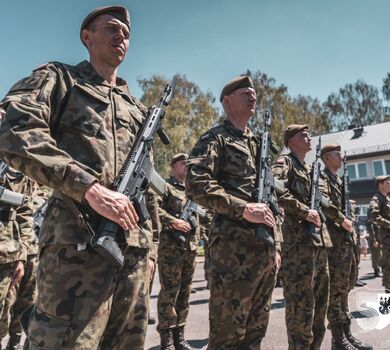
301 142
242 102
179 169
385 186
333 159
108 40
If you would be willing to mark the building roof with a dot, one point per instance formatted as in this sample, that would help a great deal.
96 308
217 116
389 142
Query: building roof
359 142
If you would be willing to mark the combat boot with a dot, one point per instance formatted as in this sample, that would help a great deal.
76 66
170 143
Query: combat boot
179 340
339 341
166 339
355 342
13 342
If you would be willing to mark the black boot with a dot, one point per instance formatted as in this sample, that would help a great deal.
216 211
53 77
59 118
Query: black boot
179 340
355 342
166 339
377 273
13 342
151 320
339 341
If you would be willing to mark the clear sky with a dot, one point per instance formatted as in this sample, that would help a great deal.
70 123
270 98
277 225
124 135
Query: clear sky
312 46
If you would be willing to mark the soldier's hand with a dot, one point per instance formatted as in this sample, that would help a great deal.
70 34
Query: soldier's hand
18 273
347 225
181 225
314 217
112 205
375 244
259 213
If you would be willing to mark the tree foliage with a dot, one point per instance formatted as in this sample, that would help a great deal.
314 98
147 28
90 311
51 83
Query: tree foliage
354 104
190 114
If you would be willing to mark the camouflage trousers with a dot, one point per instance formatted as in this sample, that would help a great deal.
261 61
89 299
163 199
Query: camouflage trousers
386 265
340 264
18 299
355 266
376 256
206 263
305 281
84 303
6 271
176 269
241 281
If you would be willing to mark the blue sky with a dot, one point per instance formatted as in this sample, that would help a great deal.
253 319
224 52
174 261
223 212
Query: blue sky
313 47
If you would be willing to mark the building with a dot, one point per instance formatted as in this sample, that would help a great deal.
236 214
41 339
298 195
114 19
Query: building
368 155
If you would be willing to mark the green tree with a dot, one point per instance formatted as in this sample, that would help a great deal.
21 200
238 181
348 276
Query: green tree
190 114
354 104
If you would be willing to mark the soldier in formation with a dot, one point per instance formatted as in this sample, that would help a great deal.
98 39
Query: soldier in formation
339 255
221 177
379 210
71 128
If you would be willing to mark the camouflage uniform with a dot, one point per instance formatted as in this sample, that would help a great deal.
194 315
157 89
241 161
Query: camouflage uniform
67 128
376 252
176 261
205 223
221 177
16 236
380 215
304 263
339 256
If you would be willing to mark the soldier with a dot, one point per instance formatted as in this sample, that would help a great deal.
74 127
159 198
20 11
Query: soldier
305 275
340 255
71 128
176 260
22 295
16 229
221 177
375 245
379 210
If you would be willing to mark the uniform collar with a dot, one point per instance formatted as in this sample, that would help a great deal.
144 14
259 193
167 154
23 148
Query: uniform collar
89 73
174 181
330 174
237 132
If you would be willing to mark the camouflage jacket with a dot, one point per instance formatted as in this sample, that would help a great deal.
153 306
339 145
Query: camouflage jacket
295 201
221 177
379 210
333 188
66 128
171 206
372 227
16 224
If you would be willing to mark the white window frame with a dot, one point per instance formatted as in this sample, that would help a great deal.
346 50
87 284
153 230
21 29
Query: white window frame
383 166
358 177
361 206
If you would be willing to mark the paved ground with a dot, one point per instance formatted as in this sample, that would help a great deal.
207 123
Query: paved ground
363 325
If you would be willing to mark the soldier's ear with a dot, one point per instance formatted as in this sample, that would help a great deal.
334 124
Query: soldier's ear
86 38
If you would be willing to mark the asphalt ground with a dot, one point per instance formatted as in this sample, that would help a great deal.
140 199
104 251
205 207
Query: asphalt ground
368 323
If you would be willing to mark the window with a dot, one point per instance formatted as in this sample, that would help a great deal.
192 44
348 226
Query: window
381 167
363 209
357 171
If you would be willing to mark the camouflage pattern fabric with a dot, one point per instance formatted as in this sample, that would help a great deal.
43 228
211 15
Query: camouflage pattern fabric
176 262
67 128
379 210
19 298
339 256
305 275
221 177
5 281
376 252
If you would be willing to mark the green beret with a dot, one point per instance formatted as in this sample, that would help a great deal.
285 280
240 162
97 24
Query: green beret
178 157
118 12
380 179
235 84
330 148
293 129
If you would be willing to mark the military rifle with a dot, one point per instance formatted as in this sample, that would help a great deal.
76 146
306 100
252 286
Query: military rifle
347 211
6 196
266 183
187 214
133 180
316 197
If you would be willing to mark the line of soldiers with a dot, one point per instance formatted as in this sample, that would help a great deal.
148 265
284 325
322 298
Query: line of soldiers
71 128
